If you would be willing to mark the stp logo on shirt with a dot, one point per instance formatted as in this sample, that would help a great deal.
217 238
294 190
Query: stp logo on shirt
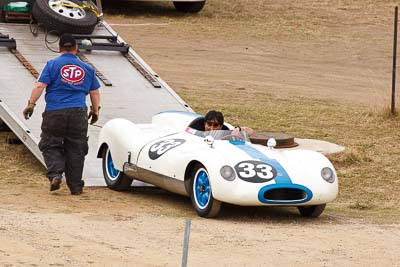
72 73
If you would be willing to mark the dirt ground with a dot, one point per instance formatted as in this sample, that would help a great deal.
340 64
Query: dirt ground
343 55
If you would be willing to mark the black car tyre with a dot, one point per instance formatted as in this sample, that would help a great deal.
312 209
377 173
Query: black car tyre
67 17
201 194
189 7
114 178
311 211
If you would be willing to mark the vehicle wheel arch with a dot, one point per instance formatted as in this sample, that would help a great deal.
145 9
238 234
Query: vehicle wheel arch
188 174
100 152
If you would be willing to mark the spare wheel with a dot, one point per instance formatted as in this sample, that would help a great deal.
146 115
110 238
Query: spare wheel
64 16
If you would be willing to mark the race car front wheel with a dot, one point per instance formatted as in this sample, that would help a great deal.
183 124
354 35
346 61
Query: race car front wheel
114 178
201 195
311 211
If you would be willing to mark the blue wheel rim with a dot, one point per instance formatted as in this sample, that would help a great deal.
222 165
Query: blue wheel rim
202 189
112 172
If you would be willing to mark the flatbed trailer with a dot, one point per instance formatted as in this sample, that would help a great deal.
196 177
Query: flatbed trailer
136 93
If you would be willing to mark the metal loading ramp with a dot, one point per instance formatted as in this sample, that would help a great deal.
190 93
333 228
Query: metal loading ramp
131 96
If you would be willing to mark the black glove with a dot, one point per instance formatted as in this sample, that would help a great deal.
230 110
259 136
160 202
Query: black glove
28 111
93 116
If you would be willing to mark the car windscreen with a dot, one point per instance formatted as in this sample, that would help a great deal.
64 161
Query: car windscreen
230 135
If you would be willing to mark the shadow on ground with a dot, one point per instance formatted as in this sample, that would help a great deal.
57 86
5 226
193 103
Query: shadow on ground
181 206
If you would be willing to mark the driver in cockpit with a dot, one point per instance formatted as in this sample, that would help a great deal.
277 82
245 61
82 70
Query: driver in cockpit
214 120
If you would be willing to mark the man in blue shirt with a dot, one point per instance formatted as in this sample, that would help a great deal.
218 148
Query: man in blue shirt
64 141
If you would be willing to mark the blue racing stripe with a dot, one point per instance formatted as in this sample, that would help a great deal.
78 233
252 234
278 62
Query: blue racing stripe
282 177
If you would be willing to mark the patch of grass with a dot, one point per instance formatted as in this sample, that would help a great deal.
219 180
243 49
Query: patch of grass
18 166
387 113
350 157
361 206
381 214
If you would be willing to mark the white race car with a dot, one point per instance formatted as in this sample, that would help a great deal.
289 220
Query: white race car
214 167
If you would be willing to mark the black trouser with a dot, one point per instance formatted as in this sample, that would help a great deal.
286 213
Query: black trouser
64 144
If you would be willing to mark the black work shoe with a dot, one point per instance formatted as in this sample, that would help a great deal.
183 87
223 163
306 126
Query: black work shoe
55 184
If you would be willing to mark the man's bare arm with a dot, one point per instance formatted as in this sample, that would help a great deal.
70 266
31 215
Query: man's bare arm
95 99
37 92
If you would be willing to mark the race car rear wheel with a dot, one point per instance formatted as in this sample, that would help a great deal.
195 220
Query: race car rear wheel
311 211
114 178
201 195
